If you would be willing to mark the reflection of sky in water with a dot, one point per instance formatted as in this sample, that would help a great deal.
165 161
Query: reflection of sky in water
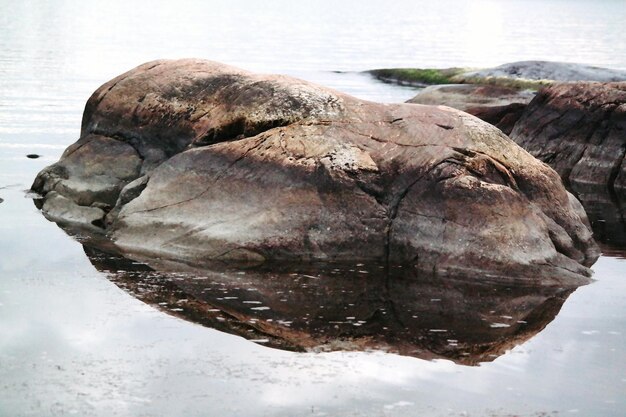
70 340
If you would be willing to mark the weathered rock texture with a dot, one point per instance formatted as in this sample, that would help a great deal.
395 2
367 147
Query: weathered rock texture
579 129
499 106
201 162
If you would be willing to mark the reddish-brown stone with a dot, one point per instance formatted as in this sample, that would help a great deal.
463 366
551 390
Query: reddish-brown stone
243 167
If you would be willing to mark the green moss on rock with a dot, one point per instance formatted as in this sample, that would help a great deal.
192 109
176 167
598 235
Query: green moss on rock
422 77
515 83
417 76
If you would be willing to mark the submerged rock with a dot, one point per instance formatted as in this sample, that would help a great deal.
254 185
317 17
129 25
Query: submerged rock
201 162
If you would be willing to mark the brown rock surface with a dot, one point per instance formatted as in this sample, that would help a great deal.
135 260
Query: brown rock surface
579 129
211 163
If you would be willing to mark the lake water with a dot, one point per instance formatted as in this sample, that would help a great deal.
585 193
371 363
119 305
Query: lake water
82 334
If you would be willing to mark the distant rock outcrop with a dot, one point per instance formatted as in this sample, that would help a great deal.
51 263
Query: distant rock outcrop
523 75
200 162
499 95
547 71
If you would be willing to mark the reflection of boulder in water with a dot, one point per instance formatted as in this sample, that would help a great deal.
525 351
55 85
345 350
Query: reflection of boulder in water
348 307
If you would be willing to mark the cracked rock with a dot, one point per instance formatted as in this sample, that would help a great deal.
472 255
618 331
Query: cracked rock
258 168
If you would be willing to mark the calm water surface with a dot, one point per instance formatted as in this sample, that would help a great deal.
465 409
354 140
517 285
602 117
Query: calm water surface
78 340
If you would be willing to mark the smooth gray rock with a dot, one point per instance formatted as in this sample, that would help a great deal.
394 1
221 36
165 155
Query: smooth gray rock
549 71
62 209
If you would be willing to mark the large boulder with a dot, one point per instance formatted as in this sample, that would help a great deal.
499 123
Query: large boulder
201 162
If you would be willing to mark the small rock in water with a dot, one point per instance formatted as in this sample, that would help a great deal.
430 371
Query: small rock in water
1 200
32 156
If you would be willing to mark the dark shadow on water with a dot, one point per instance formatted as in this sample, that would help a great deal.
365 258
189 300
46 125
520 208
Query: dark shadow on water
606 210
346 307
